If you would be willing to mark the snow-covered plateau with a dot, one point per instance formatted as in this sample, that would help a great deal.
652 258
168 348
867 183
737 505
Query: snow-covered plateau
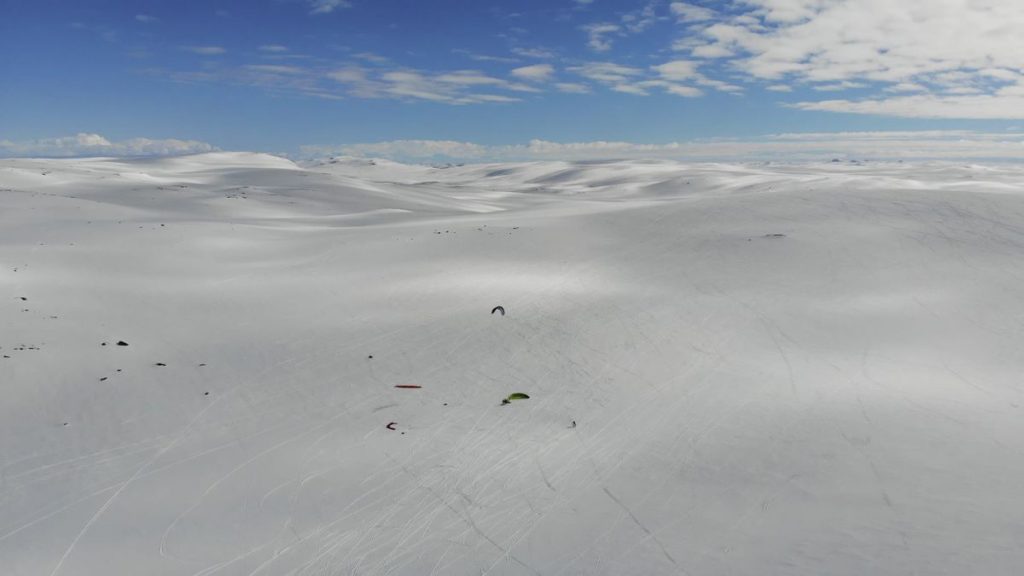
758 369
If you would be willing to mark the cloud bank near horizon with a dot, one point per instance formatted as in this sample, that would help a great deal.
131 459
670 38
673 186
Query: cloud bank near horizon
816 146
89 144
905 145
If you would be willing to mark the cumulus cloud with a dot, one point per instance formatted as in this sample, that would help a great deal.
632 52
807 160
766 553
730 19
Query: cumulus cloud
87 144
949 49
885 146
146 18
273 48
677 70
691 13
534 73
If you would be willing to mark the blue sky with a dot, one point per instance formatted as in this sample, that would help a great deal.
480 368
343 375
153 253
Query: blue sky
478 78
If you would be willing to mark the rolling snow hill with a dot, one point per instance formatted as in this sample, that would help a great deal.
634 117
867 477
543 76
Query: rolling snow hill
732 369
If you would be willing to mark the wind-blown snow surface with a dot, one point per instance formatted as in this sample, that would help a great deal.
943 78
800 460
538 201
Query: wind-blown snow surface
843 399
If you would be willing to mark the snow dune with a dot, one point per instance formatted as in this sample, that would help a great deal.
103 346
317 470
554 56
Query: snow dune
756 369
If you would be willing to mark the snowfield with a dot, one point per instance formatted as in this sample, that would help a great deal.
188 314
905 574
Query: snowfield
732 369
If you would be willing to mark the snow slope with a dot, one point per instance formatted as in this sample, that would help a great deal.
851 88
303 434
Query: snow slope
809 370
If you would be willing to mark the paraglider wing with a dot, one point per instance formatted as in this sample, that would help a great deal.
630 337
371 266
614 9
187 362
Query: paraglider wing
498 309
514 396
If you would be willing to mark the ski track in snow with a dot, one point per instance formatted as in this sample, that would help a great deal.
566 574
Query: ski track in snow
771 369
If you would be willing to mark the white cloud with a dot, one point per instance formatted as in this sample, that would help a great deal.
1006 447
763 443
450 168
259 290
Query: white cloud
981 107
598 36
572 88
86 144
455 87
669 87
690 12
146 18
838 86
484 57
966 55
637 21
607 72
540 53
327 6
639 82
273 48
677 70
205 50
534 73
885 146
469 78
710 51
906 87
684 91
634 89
274 69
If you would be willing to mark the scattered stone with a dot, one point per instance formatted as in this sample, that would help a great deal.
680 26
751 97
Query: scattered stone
122 343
